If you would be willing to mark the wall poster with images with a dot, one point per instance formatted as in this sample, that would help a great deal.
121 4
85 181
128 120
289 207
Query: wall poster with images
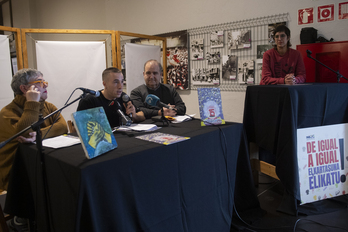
246 72
240 54
271 28
197 49
213 57
205 76
239 39
229 67
217 39
177 58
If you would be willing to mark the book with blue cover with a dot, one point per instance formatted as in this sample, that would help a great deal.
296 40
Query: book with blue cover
94 131
210 106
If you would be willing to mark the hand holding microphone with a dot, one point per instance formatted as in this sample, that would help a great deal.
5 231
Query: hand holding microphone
130 109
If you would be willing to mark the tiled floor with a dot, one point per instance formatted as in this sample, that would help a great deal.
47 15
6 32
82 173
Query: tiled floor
270 195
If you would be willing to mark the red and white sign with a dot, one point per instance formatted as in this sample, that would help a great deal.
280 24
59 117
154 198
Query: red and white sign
326 13
343 10
305 16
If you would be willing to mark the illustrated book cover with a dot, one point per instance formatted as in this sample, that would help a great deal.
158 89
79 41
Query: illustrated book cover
94 131
210 106
162 138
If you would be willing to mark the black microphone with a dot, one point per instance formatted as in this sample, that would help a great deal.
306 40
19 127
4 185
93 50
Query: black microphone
92 92
126 99
125 118
153 100
309 53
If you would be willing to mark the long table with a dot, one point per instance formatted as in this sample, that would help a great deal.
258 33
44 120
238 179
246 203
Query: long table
272 115
140 186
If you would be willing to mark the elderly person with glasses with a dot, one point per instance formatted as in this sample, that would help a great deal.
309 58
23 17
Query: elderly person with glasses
30 90
281 64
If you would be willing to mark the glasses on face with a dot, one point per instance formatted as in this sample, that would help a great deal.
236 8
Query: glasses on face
148 73
281 36
42 83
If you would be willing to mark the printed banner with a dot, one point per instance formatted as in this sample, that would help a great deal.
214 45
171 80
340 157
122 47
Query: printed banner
322 162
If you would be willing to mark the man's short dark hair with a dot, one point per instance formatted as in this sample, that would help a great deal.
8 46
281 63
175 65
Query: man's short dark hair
110 70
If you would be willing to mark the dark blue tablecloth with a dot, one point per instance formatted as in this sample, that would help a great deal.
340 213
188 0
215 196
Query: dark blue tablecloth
140 186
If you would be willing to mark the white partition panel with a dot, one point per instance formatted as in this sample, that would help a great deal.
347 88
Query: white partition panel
6 93
136 55
69 65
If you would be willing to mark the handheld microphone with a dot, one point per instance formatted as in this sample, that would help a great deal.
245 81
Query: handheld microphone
125 119
126 99
92 92
309 53
153 100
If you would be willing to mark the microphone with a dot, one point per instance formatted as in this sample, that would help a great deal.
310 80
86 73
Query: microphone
309 53
126 99
92 92
153 100
125 119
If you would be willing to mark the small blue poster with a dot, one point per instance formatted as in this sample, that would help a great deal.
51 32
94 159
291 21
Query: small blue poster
210 106
94 131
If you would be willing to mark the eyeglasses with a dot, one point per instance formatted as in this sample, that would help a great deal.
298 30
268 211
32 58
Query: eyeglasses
42 83
281 36
148 73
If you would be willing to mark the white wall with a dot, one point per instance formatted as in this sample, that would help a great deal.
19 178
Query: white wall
160 16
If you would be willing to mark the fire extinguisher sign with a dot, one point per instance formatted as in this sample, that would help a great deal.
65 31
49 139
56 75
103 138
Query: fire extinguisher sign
305 16
326 13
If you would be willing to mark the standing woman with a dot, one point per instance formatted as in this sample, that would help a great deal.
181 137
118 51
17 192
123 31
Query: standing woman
282 64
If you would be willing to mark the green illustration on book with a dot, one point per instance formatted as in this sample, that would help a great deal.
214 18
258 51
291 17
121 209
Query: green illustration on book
94 131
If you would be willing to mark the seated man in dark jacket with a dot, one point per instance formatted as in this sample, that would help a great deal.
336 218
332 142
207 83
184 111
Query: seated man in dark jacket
166 93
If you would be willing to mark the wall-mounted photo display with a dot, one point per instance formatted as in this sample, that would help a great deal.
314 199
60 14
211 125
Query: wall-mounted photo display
246 72
217 39
262 49
213 57
197 48
205 76
239 39
229 67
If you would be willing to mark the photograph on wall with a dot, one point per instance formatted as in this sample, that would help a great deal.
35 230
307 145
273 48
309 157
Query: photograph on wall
197 48
123 60
229 67
322 162
343 10
205 76
262 49
271 28
217 39
305 16
246 72
210 106
326 13
177 59
239 39
213 57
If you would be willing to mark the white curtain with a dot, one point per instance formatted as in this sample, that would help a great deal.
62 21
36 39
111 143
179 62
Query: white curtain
6 93
136 55
69 65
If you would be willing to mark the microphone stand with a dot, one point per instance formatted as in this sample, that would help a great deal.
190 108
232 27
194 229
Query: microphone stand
337 72
36 127
164 120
